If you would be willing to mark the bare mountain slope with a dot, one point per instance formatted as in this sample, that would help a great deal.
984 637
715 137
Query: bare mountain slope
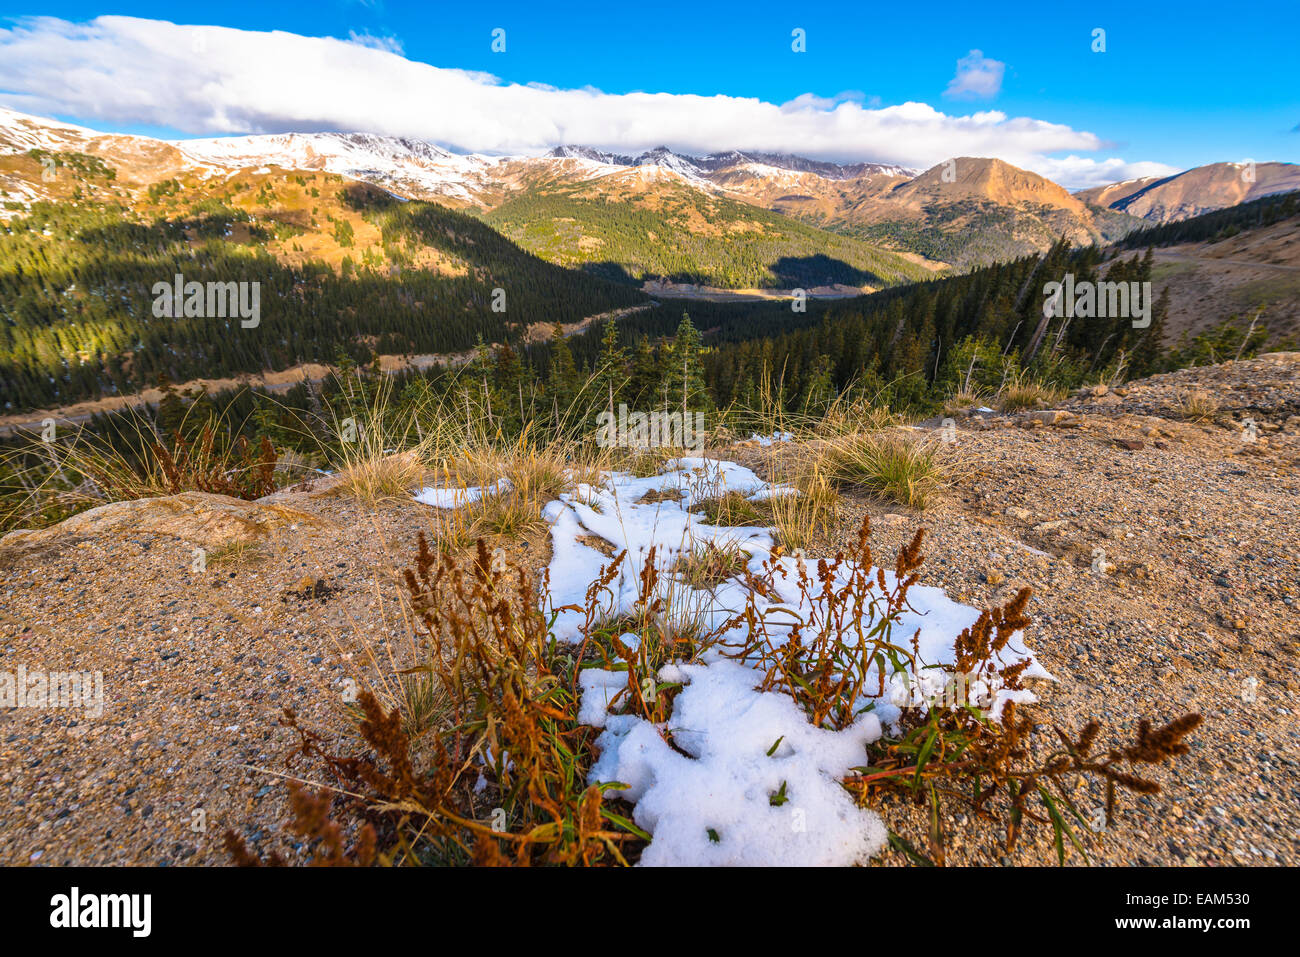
985 180
971 210
1196 191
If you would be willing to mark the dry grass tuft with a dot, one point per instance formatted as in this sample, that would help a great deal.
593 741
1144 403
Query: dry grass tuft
525 475
643 463
963 401
809 512
901 469
860 416
731 509
709 564
237 553
373 478
378 454
1194 405
1022 392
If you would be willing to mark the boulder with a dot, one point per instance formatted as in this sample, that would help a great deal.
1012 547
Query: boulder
201 518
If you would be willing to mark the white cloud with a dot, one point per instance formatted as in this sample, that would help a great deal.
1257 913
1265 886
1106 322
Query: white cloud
977 78
813 101
1079 172
217 80
391 44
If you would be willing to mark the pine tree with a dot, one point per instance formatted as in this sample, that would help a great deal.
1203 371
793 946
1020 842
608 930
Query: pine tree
684 375
643 384
171 409
507 387
563 381
477 374
820 391
611 368
1146 353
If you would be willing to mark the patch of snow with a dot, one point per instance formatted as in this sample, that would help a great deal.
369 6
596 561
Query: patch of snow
456 497
725 791
726 782
599 690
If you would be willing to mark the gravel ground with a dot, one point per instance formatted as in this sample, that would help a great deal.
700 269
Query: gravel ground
196 669
1193 610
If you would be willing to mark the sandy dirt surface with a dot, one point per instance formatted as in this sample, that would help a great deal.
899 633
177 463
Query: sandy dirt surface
1194 610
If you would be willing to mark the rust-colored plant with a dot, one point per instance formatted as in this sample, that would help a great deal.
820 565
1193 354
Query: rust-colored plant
965 742
497 772
844 647
503 780
970 743
247 472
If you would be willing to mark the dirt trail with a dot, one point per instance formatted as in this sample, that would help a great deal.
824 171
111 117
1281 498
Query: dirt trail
1178 256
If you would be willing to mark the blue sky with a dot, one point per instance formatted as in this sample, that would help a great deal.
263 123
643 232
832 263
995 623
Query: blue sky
1179 84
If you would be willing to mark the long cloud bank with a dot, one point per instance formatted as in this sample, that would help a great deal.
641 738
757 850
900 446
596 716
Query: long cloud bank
214 80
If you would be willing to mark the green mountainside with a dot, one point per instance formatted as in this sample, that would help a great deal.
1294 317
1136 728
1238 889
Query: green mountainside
349 271
685 235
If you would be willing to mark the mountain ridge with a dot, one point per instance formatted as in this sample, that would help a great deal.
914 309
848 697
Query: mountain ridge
1202 189
963 211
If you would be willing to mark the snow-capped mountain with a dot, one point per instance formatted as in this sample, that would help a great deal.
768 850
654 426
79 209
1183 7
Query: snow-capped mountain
702 167
801 164
594 155
20 133
818 192
664 158
423 170
395 163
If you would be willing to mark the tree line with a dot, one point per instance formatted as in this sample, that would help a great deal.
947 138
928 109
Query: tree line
76 317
